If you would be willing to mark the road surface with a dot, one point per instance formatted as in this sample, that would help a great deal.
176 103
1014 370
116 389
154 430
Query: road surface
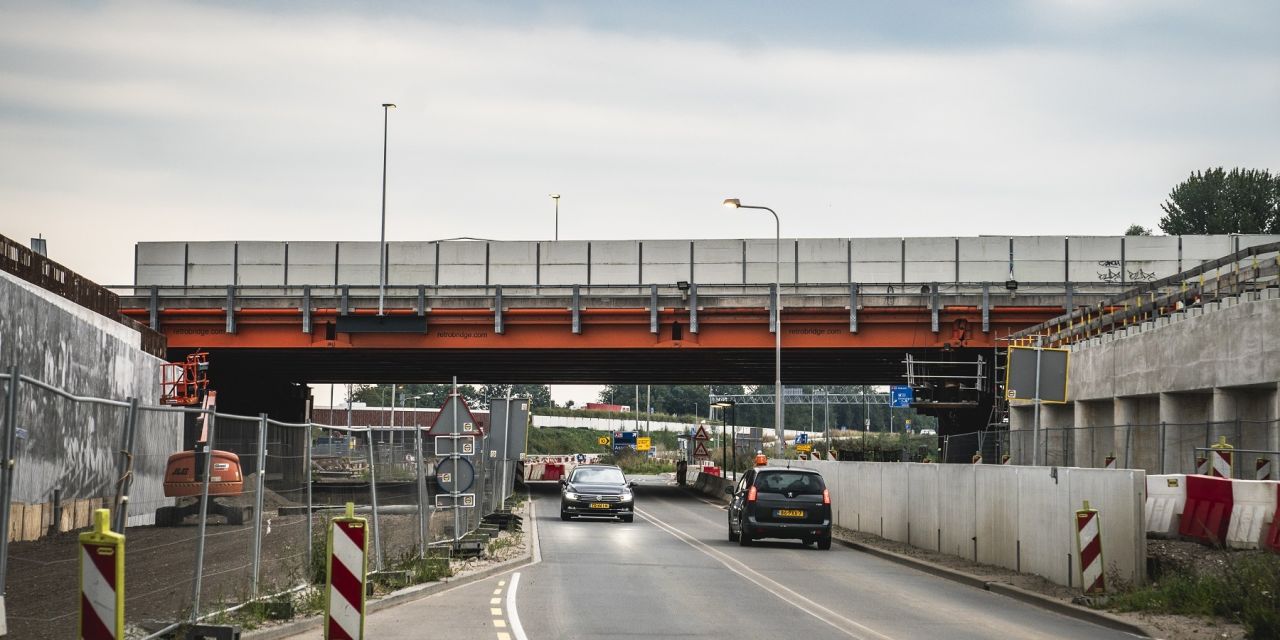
673 574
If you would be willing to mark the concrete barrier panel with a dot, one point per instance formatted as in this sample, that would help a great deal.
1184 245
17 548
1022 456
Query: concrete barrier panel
1166 496
876 259
260 263
665 261
870 513
957 509
312 263
717 261
996 518
760 261
1119 496
930 259
1046 529
615 262
513 263
1253 508
895 498
923 528
358 263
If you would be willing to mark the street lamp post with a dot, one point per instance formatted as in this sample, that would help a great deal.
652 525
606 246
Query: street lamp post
382 241
734 203
722 405
556 198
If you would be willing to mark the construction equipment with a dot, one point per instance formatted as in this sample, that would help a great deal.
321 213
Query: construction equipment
187 384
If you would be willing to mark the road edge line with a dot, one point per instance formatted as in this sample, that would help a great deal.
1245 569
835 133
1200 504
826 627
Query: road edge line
410 594
513 615
1007 590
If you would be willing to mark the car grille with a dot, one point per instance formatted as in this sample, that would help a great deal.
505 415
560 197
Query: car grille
597 498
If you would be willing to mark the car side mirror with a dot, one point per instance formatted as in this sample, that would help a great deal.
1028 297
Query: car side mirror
631 485
563 482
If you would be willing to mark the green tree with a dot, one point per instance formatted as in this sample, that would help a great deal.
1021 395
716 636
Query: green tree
1218 201
1137 230
429 396
539 394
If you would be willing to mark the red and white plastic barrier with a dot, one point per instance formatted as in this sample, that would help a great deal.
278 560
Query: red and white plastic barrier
1262 469
1220 463
1235 513
348 568
101 581
1202 466
1109 462
1089 546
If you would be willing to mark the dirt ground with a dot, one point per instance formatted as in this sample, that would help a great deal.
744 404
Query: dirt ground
42 594
1170 552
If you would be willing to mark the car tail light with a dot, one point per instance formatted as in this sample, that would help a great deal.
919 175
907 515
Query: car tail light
826 496
751 494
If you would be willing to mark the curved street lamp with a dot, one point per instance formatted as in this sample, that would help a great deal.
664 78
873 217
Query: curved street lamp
382 240
734 203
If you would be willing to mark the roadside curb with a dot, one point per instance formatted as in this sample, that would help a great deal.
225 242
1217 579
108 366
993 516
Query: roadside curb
407 594
1048 603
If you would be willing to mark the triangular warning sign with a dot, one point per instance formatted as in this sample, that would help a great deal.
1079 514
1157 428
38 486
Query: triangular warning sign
700 451
702 433
455 420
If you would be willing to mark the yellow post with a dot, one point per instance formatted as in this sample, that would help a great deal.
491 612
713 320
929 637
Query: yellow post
102 580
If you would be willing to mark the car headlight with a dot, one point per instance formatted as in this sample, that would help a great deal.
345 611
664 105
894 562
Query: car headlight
626 496
569 495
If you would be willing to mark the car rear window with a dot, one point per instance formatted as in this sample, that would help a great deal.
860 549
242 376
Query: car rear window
789 482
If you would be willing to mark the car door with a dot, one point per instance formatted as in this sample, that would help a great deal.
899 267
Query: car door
739 496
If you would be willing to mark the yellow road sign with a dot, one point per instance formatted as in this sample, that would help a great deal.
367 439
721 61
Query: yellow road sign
642 444
603 441
804 448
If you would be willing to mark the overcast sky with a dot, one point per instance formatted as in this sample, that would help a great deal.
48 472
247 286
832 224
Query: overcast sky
128 121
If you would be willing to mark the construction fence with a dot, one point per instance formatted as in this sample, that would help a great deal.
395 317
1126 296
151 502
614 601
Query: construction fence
1159 448
185 564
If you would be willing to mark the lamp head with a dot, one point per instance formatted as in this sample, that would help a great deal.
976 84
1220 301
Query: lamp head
554 196
732 203
388 105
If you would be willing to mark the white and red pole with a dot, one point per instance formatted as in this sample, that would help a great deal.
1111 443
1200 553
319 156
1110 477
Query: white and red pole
1262 469
348 568
1220 459
1089 544
1109 462
101 581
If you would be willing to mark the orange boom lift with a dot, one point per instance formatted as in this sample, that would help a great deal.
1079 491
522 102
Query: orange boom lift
186 384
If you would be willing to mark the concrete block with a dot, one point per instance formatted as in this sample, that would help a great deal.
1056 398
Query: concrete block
876 249
518 254
261 252
566 274
1229 301
1039 270
1197 249
152 274
160 253
957 509
211 252
619 274
1045 526
715 273
461 274
1270 293
923 505
312 274
814 250
1137 271
930 250
1210 307
1094 248
466 252
615 252
996 518
1039 249
985 249
312 253
724 251
664 273
1166 496
992 271
1119 496
667 252
925 272
824 272
1253 508
511 274
358 253
260 274
210 274
888 272
1138 248
763 273
358 274
870 515
1246 241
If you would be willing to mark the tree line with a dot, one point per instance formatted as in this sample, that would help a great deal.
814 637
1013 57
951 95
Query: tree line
1216 201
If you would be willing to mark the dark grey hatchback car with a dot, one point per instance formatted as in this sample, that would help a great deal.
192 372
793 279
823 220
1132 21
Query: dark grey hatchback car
780 502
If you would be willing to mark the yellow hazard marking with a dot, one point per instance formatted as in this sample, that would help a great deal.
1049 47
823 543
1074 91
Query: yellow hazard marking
496 611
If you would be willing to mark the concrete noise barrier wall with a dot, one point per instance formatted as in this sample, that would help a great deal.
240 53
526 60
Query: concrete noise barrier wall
1021 518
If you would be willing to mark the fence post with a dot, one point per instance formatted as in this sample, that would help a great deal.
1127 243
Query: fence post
125 469
210 423
421 474
306 461
6 483
261 464
373 495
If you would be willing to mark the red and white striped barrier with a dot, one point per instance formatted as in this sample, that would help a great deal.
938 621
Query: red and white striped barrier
1262 469
1253 506
348 569
1202 466
1089 545
101 581
1109 462
1213 510
1220 459
977 457
1006 459
1207 513
1166 497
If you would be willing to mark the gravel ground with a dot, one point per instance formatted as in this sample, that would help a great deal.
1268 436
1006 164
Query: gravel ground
1170 552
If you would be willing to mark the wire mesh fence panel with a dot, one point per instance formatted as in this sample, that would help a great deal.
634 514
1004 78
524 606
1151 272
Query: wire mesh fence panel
287 542
340 472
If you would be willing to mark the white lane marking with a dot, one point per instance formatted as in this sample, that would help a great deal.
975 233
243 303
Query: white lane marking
500 623
495 600
502 635
512 613
502 583
496 611
837 621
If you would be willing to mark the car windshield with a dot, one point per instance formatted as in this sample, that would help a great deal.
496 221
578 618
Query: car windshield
598 475
789 482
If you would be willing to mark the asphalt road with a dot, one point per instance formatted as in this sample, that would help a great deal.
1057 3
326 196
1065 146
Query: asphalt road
674 574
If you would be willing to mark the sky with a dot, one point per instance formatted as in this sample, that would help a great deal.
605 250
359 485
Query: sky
135 121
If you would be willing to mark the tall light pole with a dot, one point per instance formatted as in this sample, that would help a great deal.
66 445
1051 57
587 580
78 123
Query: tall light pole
734 203
556 198
382 241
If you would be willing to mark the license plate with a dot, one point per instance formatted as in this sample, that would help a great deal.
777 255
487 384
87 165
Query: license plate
789 513
600 505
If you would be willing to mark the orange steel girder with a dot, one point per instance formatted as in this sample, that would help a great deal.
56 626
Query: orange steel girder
611 328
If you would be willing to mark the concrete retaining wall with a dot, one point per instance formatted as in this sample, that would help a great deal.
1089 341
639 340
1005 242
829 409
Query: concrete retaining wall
73 448
1083 260
607 424
1021 518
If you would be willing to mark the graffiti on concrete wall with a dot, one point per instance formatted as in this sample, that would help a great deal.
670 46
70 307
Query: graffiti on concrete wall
1113 271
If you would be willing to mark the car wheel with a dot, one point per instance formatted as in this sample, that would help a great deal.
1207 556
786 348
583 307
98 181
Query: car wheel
744 538
564 515
733 537
824 543
627 518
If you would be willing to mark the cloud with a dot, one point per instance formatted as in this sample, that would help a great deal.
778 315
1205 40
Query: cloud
196 121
